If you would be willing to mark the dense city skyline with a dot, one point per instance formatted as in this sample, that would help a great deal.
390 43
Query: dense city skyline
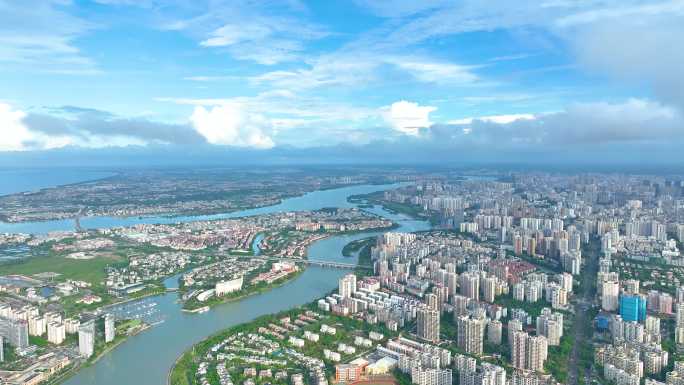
589 82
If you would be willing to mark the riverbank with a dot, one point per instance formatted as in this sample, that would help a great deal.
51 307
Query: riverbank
73 369
136 329
186 365
242 294
153 293
273 330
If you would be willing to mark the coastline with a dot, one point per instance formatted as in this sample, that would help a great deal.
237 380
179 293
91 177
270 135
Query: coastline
114 174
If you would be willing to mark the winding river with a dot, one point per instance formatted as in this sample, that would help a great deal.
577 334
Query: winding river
147 358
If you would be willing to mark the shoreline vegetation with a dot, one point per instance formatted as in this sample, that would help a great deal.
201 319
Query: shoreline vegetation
356 246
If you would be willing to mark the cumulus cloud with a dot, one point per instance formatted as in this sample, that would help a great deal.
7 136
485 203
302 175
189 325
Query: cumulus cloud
17 136
302 121
14 132
408 117
83 127
231 124
636 121
225 124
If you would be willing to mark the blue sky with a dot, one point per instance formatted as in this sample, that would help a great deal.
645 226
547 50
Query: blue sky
489 75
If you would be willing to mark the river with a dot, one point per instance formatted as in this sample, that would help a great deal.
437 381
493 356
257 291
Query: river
147 358
310 201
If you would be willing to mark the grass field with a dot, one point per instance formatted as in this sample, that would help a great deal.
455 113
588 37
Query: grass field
91 270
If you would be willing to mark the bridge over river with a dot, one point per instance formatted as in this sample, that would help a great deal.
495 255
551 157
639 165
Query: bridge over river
316 262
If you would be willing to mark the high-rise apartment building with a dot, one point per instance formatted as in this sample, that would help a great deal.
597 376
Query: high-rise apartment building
528 352
489 288
15 332
470 285
537 352
56 332
518 349
470 334
86 339
550 325
347 286
110 328
428 324
494 332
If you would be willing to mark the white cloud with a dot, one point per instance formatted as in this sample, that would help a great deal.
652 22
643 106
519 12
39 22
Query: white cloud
579 125
408 117
40 35
596 29
436 72
230 124
266 33
300 120
205 78
400 8
670 8
231 34
82 127
269 52
17 136
362 69
501 119
347 69
14 132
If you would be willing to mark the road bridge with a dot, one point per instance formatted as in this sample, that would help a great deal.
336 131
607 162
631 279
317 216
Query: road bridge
317 262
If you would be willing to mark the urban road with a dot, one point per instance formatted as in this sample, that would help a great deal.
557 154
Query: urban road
582 324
